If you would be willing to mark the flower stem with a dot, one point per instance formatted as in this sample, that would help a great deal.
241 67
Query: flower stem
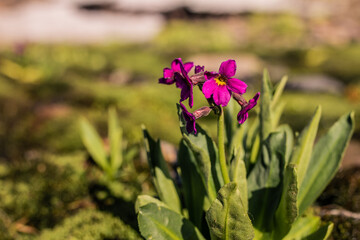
221 147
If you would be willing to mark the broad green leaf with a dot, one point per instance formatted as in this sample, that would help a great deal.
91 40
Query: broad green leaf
115 135
259 235
161 223
325 160
302 227
163 182
93 144
279 88
143 200
265 107
322 233
303 148
264 181
204 165
238 175
205 152
193 187
287 211
227 217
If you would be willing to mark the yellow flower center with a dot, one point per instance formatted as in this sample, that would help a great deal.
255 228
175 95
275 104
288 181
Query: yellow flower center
220 80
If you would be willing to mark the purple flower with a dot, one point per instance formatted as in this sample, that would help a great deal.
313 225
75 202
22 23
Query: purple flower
185 84
243 114
220 85
178 74
199 69
169 74
189 118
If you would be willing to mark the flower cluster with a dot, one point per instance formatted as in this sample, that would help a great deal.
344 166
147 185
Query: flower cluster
217 87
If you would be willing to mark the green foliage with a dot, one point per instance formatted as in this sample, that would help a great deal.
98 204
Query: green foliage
160 173
157 222
111 162
194 193
92 225
273 181
325 160
40 192
227 216
291 193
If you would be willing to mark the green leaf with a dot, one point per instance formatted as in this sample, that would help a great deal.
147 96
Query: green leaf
238 175
227 217
194 189
231 124
237 140
287 211
303 226
325 160
252 144
322 233
303 148
115 135
163 182
276 113
143 200
205 152
278 91
161 223
264 181
265 107
289 141
93 144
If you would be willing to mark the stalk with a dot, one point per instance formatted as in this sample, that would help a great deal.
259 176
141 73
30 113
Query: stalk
221 147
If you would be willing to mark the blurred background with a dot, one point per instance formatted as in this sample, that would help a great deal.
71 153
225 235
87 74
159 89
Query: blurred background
62 59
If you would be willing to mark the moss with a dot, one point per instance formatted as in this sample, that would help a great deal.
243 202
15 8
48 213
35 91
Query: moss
40 192
91 225
343 190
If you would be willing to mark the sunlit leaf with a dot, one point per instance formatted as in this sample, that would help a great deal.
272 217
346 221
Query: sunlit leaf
227 217
161 223
93 143
164 184
115 136
193 187
303 148
325 160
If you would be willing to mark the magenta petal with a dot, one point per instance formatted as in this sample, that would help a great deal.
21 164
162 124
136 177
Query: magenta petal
209 87
167 81
221 96
210 75
236 85
189 118
188 66
179 80
252 103
187 87
228 68
186 92
243 114
175 65
168 73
